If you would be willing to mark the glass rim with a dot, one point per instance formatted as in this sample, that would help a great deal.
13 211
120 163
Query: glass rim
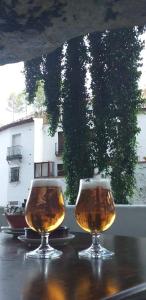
95 182
40 182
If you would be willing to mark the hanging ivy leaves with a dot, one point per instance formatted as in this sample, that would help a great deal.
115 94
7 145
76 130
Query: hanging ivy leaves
51 69
115 58
32 72
47 69
100 137
77 157
123 49
111 144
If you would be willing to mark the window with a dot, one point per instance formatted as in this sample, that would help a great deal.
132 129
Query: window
14 174
37 170
60 145
16 139
60 141
43 169
60 170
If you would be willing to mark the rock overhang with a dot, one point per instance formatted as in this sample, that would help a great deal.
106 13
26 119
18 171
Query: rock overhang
31 28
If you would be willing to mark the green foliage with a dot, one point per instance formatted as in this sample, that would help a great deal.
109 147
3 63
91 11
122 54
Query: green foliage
116 99
51 70
32 72
46 70
16 103
77 160
101 132
100 101
39 99
123 47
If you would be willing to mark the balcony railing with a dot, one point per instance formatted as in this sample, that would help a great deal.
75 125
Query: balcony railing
58 149
14 152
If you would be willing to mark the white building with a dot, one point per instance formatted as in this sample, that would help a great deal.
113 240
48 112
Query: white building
27 151
141 138
140 171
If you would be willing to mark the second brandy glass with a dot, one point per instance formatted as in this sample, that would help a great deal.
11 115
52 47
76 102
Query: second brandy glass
44 212
95 212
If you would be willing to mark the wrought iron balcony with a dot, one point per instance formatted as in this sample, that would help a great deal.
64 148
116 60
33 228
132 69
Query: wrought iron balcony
58 149
14 152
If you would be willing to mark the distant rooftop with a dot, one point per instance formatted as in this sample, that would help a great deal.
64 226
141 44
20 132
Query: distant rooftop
17 123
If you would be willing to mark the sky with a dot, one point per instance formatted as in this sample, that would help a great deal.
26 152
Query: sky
142 82
12 81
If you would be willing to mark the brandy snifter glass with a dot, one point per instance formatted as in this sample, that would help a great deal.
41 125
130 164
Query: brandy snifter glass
95 213
44 212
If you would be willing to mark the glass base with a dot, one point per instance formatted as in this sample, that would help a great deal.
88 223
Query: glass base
96 252
43 253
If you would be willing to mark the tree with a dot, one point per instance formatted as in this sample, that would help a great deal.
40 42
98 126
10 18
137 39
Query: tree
16 103
39 100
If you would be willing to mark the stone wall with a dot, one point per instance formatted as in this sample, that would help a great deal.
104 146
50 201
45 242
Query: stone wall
130 220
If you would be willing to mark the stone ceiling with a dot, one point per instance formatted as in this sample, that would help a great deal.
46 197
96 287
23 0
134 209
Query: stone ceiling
29 28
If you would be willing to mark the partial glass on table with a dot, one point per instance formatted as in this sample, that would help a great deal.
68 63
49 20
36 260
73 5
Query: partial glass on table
95 213
44 212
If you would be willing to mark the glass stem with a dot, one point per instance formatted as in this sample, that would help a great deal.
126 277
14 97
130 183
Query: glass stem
44 241
96 242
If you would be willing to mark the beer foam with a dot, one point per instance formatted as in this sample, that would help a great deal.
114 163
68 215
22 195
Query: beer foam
46 182
94 183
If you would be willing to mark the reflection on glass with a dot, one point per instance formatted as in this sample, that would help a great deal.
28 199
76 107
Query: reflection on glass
44 212
95 212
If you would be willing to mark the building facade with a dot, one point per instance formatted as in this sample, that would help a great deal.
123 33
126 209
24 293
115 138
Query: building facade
27 152
139 196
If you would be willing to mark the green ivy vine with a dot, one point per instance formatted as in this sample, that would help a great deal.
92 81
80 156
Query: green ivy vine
100 130
77 152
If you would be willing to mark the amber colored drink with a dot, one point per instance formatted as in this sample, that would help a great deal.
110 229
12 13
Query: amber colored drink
45 208
95 211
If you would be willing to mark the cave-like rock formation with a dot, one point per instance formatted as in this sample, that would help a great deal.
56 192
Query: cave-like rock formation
29 28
